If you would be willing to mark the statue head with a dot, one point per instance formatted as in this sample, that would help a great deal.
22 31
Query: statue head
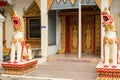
16 22
107 17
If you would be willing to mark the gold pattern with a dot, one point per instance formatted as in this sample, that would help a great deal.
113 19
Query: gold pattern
72 2
98 2
58 1
49 3
32 11
63 36
65 1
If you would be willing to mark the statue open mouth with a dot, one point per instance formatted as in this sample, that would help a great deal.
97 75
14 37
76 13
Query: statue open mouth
107 18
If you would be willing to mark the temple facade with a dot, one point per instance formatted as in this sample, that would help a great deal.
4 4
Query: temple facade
60 26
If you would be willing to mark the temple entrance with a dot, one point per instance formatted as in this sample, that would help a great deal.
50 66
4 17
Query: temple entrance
72 34
90 30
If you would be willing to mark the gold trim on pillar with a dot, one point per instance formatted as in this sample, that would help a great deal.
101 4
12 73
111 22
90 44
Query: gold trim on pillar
49 3
63 36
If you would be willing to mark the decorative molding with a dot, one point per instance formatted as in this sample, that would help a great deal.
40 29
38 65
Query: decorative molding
88 1
63 36
98 2
65 1
58 1
49 3
72 2
32 11
38 2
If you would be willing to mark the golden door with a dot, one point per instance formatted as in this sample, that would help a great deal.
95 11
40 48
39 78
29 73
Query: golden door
91 34
72 34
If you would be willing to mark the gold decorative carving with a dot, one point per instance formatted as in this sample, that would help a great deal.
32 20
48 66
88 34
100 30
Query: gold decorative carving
38 2
98 2
72 2
32 11
63 36
65 1
58 1
49 3
88 1
98 32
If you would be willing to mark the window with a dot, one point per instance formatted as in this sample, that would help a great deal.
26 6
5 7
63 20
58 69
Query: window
34 28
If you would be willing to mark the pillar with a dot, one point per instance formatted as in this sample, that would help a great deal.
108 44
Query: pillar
80 29
1 37
44 28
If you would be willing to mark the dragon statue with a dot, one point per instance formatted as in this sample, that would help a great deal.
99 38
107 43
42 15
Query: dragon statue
18 46
110 41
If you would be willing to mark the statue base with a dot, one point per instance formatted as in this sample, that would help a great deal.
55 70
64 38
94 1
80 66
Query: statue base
108 73
19 68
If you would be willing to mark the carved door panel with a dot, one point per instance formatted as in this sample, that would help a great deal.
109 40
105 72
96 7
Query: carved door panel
88 34
72 34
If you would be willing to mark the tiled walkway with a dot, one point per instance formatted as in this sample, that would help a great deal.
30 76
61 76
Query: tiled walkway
62 67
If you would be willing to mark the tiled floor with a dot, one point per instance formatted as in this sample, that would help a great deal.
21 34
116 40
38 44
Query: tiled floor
62 67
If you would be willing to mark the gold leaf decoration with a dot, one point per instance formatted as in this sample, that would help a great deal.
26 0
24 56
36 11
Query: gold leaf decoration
49 3
98 2
58 1
72 2
65 1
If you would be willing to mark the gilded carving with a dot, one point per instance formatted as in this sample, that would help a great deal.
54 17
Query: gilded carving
49 3
58 1
72 2
32 11
98 2
38 2
63 36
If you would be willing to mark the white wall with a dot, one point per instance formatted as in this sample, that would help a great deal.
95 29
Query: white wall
18 7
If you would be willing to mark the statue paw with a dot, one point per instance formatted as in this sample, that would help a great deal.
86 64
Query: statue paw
114 66
105 66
